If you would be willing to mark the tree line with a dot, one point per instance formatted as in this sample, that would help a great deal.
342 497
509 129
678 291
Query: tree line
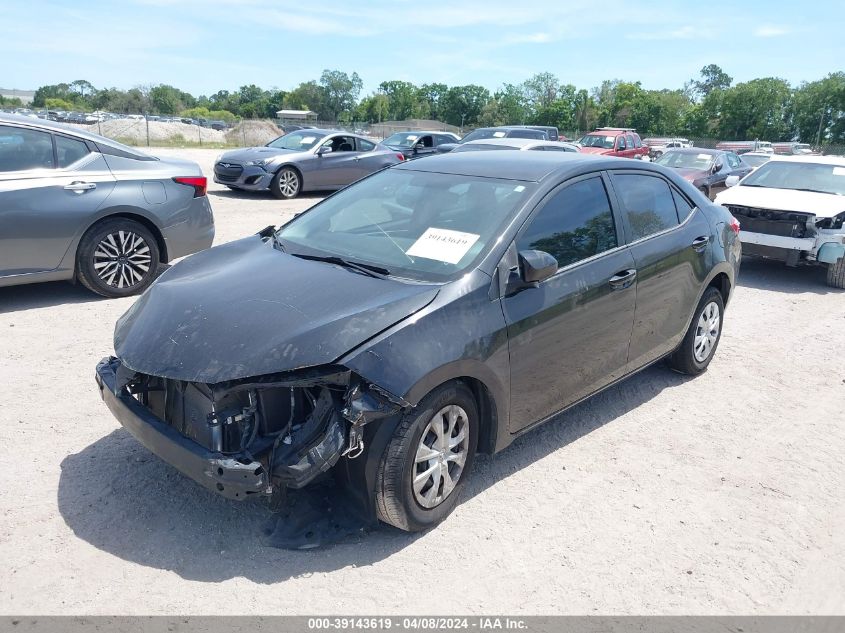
709 106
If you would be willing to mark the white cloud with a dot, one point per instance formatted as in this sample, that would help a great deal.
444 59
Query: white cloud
770 30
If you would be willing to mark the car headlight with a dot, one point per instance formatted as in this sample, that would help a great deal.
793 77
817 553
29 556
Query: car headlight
258 163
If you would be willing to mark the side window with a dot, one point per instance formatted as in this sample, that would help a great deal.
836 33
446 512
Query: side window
538 148
638 142
682 205
648 202
733 160
342 144
22 149
630 139
425 141
365 146
574 224
620 143
69 150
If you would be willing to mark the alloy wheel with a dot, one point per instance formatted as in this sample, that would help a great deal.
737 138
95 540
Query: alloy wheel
441 456
288 183
122 259
706 332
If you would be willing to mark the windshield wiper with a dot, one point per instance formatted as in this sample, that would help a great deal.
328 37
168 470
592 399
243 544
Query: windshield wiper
367 269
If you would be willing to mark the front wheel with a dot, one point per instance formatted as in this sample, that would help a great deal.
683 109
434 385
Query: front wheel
286 184
425 465
696 351
836 273
117 257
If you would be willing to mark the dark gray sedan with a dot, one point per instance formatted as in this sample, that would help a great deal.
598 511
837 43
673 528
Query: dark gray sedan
305 160
79 206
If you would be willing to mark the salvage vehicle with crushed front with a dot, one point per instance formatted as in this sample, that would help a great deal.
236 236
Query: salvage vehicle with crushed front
427 312
792 209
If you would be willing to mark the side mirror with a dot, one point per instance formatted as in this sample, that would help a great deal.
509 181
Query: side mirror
324 149
730 181
718 167
536 266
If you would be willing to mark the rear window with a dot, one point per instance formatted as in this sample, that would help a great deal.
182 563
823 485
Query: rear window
648 202
70 150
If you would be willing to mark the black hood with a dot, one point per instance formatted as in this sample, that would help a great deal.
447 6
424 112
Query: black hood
246 309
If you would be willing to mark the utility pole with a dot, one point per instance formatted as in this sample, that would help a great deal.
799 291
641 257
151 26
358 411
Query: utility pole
463 116
819 135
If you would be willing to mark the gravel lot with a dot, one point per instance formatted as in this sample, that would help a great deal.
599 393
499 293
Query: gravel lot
720 494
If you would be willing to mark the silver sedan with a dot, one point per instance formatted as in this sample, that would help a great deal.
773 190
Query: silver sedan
520 144
77 206
305 160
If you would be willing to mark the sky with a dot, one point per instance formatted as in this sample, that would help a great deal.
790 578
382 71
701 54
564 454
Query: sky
203 46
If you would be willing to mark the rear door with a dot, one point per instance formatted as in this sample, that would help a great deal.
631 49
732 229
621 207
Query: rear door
669 241
370 158
50 186
569 336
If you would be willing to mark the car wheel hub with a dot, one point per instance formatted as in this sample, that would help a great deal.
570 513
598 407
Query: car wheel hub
122 259
288 183
441 456
706 332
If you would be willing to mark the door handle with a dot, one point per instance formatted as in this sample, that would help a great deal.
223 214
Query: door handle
623 279
699 243
79 187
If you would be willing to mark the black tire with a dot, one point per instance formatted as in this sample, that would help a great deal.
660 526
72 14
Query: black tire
836 273
280 187
396 502
95 276
684 359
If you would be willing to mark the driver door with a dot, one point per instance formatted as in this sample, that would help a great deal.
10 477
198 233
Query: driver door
339 167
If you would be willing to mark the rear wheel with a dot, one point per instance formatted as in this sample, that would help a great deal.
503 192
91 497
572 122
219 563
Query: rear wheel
696 351
836 273
286 184
117 257
425 465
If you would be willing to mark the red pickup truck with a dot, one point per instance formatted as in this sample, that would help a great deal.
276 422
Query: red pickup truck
614 141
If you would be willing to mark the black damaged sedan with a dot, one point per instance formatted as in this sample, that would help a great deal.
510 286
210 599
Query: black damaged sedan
429 311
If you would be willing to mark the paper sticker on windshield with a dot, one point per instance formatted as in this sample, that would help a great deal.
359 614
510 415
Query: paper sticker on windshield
307 140
704 157
839 171
519 188
498 134
412 138
443 245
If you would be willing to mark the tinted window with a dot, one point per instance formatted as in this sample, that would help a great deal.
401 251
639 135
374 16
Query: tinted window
527 134
733 160
365 146
576 223
637 141
22 149
682 205
69 150
630 140
620 143
648 202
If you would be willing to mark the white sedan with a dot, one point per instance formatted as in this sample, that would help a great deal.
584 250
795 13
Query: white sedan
792 209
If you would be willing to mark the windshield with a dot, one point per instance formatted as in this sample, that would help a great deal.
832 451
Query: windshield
420 225
803 176
484 133
301 140
686 160
755 160
401 139
474 147
597 140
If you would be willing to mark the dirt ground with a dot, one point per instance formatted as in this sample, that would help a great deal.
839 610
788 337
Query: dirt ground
719 494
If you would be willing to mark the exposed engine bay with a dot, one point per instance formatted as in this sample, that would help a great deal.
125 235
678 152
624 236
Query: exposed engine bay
259 436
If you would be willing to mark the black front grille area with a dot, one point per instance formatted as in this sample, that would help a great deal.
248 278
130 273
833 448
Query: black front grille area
228 172
772 222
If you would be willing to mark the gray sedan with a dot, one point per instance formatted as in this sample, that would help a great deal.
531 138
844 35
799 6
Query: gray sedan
519 144
305 160
78 206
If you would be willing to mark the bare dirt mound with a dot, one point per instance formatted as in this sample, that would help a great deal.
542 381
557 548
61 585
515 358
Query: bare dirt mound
251 133
135 132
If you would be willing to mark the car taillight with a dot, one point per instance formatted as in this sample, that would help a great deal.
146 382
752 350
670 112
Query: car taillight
400 156
734 225
199 183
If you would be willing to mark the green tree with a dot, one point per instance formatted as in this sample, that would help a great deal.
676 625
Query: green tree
756 109
818 110
712 78
340 93
57 104
306 96
402 98
463 104
541 91
166 99
433 95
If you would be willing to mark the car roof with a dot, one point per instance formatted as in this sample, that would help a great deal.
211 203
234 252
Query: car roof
424 132
525 166
822 160
697 150
509 141
610 132
54 126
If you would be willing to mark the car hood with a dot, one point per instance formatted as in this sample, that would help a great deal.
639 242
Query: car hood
690 174
595 150
822 205
246 309
246 154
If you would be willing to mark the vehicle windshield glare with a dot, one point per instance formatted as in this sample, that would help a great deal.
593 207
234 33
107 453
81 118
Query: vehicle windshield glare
420 225
484 133
598 140
686 160
301 140
402 139
818 177
755 160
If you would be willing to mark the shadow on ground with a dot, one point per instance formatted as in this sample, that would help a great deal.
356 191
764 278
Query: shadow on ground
15 298
120 498
261 195
763 274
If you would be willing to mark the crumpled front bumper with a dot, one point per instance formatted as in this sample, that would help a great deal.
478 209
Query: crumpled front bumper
225 475
250 177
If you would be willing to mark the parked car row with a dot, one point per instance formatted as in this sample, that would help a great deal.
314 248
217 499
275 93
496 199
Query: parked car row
89 118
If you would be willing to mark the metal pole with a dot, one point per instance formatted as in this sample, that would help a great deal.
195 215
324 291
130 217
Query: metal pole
819 135
147 120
